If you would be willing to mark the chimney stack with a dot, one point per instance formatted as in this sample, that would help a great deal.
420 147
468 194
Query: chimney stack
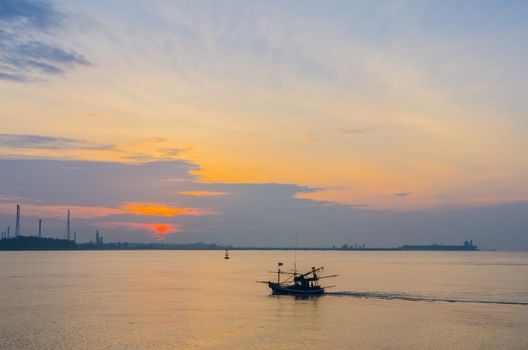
17 226
68 226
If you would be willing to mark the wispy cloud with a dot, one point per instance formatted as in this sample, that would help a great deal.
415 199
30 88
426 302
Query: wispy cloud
27 48
310 137
401 194
203 193
171 152
49 142
38 14
351 132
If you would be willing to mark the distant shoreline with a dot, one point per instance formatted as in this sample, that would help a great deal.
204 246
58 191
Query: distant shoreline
35 243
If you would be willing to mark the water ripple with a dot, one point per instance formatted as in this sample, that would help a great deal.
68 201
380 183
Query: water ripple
410 297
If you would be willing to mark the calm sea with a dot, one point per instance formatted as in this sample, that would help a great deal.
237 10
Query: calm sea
198 300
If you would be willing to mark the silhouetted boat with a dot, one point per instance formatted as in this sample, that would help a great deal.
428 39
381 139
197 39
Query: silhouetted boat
298 283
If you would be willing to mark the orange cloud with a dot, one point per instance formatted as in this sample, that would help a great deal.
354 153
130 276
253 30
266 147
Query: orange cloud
161 210
86 212
202 193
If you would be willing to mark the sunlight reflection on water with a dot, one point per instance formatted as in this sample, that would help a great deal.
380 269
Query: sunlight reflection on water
198 300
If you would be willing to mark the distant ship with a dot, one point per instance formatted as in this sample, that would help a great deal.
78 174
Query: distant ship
300 284
467 246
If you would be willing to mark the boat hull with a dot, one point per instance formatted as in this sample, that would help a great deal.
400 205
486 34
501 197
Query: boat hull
291 290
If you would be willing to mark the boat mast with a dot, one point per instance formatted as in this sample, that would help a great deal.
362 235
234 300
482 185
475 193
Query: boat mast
295 254
279 264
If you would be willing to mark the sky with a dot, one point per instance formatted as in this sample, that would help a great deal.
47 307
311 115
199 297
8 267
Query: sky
238 122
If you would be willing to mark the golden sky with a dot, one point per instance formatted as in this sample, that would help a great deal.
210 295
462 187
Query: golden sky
400 106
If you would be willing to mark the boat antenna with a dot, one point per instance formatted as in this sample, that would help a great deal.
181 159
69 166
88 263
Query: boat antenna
295 254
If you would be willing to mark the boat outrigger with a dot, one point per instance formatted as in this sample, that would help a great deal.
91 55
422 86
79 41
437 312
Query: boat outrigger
298 283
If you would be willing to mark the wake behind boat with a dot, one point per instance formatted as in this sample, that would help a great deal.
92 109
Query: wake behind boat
298 283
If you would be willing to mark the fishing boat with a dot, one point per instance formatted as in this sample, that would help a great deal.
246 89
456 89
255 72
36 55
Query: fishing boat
299 284
226 254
